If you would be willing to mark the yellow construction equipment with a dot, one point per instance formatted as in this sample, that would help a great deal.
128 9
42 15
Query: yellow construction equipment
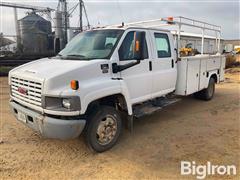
188 50
237 50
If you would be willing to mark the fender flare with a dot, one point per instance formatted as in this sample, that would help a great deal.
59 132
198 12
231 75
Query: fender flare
214 73
109 91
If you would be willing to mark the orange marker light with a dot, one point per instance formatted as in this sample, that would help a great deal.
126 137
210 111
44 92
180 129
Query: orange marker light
170 18
74 84
137 46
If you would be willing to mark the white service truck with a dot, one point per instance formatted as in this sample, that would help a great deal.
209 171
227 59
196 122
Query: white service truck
103 73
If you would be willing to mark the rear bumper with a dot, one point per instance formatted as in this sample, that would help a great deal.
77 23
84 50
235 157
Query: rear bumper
47 126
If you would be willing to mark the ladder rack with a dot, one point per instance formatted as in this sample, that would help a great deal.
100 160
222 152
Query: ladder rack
180 21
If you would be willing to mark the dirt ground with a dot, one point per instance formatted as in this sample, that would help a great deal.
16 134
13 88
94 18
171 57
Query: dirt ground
191 130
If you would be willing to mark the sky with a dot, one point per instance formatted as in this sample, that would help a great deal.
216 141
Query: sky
225 13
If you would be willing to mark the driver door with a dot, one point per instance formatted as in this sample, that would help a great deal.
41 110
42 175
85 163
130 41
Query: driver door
138 78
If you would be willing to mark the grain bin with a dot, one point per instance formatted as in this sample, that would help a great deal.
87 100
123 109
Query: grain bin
59 42
34 33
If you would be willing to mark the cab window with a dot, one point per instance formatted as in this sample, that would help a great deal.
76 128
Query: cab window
126 50
162 45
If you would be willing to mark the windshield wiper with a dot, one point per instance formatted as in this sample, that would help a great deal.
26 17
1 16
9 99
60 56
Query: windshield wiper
73 57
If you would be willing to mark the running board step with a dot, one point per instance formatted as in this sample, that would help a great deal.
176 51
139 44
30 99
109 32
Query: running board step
162 101
152 106
144 109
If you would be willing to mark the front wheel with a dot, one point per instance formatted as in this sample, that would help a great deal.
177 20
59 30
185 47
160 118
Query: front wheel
208 93
103 129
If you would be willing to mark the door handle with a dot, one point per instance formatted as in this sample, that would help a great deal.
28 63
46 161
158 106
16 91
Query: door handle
150 65
172 63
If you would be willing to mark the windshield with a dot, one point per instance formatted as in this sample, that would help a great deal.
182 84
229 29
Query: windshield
98 44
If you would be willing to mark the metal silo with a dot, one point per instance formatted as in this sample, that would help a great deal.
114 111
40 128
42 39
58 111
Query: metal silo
34 33
59 39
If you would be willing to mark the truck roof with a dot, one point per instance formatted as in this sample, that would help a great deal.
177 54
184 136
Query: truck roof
133 27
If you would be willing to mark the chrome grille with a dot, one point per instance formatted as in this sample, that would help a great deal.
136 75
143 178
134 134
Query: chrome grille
33 90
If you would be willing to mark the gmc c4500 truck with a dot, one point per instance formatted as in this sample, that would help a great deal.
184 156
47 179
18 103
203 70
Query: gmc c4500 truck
102 73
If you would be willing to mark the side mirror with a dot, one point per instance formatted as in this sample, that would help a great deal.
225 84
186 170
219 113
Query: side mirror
138 45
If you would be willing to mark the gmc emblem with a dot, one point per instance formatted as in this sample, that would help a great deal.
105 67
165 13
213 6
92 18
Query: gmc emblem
23 91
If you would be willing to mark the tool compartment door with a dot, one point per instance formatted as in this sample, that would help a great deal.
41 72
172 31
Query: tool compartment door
203 80
213 63
222 69
193 67
192 72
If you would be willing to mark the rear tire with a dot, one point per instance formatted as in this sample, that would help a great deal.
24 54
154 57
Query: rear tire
208 93
103 129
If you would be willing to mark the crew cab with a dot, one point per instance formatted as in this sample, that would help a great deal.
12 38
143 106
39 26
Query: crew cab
104 73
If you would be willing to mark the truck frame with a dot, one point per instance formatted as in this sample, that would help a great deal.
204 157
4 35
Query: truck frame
133 69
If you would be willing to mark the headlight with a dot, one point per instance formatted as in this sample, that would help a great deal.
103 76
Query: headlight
68 103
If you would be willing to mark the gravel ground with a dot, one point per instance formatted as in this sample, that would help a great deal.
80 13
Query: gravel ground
190 130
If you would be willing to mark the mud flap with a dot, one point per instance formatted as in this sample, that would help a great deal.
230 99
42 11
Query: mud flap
130 123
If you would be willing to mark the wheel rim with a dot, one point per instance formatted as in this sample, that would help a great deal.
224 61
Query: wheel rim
106 130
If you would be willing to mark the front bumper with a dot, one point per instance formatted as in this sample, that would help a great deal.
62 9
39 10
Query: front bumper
47 126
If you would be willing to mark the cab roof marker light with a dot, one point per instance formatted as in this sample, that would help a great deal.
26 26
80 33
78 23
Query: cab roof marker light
170 18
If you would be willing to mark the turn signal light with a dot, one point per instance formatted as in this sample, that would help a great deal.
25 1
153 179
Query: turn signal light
74 84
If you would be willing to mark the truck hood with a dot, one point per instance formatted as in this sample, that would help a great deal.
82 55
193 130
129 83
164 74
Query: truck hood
56 74
48 68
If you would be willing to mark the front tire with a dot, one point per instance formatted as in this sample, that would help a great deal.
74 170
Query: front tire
103 129
208 93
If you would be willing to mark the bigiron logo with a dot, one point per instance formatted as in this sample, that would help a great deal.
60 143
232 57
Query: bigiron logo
202 171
